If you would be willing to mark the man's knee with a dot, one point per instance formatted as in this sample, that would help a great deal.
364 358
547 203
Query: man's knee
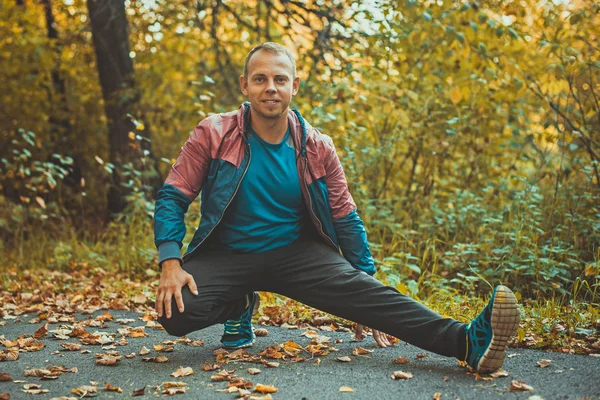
192 319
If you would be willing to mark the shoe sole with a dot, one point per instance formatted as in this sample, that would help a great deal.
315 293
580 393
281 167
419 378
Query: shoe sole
505 322
249 344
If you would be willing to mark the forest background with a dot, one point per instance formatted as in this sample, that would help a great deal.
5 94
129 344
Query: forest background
469 133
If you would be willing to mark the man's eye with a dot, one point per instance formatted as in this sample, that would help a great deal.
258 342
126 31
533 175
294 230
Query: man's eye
259 79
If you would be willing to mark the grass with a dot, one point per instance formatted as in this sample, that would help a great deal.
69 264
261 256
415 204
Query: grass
125 252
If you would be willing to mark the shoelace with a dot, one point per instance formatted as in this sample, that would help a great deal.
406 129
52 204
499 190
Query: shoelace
232 327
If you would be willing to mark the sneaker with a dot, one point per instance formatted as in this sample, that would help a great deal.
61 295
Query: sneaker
488 334
239 332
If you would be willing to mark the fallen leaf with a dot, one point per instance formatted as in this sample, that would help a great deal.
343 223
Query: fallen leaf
421 356
437 396
516 386
401 375
86 391
71 346
499 374
271 364
31 386
253 371
210 367
173 391
196 343
360 351
513 355
344 359
400 360
261 332
346 389
112 388
183 371
4 396
41 331
173 384
36 391
107 360
9 355
138 392
260 388
4 377
544 363
144 351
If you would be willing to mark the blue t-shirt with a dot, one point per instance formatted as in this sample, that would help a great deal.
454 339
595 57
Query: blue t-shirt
268 211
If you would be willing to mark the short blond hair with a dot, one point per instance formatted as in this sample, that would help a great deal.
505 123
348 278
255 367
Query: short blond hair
273 48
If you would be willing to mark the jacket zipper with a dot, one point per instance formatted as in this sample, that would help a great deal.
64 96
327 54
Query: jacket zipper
320 227
189 253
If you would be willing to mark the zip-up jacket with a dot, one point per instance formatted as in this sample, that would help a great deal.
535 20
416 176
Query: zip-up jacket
213 162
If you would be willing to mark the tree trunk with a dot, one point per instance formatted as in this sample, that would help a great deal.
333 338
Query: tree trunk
115 68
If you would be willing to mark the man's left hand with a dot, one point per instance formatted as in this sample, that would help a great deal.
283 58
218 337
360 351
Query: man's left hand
382 339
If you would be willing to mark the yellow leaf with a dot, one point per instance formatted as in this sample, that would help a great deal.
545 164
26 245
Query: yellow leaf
346 389
140 126
41 202
455 95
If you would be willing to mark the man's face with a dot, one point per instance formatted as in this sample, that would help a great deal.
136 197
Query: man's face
270 83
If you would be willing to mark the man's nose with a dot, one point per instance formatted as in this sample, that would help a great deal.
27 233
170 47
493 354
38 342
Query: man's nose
271 88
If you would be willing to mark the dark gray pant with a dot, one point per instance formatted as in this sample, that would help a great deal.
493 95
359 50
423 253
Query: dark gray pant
314 274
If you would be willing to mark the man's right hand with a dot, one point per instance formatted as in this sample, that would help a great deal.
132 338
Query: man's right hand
172 279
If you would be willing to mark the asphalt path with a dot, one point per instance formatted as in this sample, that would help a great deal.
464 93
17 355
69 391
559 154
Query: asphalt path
566 377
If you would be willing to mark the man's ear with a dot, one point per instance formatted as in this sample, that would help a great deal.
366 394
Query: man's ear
295 85
244 85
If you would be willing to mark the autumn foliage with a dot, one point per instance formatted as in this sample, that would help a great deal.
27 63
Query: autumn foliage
469 132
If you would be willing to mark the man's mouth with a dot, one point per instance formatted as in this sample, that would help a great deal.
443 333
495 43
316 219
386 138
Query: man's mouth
270 102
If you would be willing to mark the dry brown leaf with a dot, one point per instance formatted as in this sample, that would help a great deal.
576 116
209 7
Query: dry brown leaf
253 371
401 375
28 386
346 389
9 355
261 332
519 386
544 363
195 343
400 360
271 364
420 356
138 392
175 390
144 351
437 396
107 360
71 346
360 351
182 371
86 391
210 367
173 384
291 348
240 383
36 391
499 374
344 359
260 388
4 396
112 388
41 331
4 377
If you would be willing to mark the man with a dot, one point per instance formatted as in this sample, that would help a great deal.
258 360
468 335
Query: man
276 212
